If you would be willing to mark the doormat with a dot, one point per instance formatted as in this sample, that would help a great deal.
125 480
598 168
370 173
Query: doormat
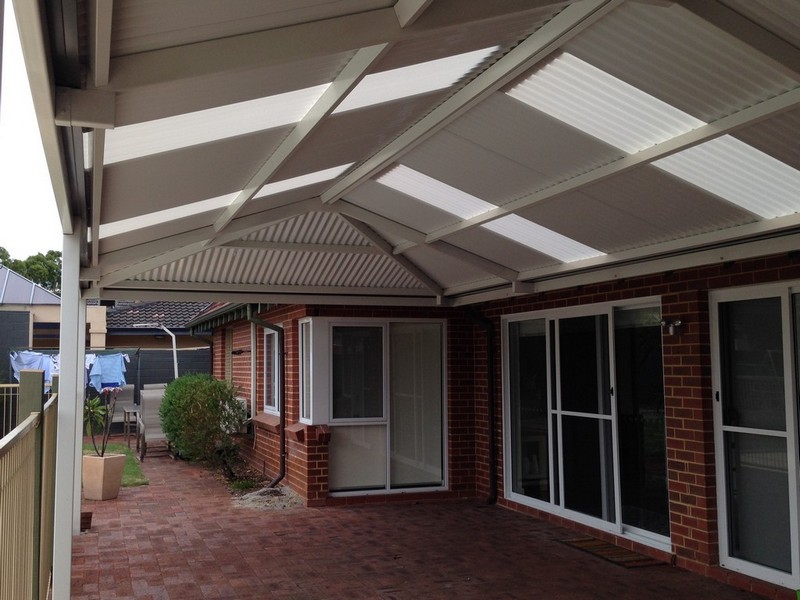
615 554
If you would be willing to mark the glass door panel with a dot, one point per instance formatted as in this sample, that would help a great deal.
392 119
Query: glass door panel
530 460
755 437
583 363
640 414
585 405
415 401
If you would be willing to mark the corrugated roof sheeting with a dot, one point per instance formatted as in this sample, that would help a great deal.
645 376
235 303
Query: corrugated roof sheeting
669 53
777 137
781 17
639 208
140 26
311 228
245 266
513 131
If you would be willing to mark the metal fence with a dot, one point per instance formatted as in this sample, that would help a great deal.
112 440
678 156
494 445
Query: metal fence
27 497
9 407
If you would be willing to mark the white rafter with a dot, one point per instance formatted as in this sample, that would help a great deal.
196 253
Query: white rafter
354 71
404 262
565 25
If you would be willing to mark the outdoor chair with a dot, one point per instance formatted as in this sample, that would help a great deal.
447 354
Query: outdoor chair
124 402
148 425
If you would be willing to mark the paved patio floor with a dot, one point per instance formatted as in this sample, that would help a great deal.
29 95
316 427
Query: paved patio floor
180 538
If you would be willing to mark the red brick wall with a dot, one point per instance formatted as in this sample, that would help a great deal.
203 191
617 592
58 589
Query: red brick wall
687 377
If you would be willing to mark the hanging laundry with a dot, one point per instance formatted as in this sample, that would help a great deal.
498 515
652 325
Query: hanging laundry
108 371
28 360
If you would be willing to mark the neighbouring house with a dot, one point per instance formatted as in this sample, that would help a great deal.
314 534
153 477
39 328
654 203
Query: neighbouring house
540 252
30 319
150 328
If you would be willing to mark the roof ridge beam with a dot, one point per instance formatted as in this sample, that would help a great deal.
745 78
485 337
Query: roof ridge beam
298 247
548 38
403 261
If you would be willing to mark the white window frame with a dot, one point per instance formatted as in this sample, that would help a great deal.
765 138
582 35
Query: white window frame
321 386
784 291
272 372
617 527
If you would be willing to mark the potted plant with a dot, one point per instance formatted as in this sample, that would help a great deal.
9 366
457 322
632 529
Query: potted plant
102 473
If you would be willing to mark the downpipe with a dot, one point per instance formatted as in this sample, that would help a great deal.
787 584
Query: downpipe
281 389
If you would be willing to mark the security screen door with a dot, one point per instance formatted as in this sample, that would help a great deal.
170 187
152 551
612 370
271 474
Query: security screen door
756 432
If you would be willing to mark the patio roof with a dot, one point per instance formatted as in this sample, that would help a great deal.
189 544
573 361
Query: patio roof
413 152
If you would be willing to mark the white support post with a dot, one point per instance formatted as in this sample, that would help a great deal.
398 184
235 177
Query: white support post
72 348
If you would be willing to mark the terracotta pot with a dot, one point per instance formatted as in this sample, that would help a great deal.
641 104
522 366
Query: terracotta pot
102 476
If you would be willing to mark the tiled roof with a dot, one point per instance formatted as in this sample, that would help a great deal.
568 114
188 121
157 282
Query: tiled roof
169 314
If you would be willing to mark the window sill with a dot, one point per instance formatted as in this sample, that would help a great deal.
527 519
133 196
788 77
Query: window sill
268 421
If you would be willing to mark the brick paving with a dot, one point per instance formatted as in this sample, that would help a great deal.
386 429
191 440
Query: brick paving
180 538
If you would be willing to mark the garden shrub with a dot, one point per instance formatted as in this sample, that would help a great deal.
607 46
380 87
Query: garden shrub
199 415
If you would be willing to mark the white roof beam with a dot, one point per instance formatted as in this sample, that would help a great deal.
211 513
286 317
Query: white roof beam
35 50
404 262
408 11
125 293
84 108
743 118
258 288
98 149
379 221
100 13
350 76
565 25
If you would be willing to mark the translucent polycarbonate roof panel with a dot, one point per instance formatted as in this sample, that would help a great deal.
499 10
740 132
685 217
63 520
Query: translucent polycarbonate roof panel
601 105
452 200
219 202
434 192
420 78
541 239
171 133
301 181
740 174
668 52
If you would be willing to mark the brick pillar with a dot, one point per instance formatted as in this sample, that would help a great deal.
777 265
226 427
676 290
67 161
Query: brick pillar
690 430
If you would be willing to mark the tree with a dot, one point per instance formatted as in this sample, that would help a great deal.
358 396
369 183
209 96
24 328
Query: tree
44 269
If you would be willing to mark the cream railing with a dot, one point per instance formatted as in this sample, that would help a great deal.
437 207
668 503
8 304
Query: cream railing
27 495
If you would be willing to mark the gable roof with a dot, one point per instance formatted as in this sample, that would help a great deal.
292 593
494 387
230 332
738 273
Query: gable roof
16 289
406 152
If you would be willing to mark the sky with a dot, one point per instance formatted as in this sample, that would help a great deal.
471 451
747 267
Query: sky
29 221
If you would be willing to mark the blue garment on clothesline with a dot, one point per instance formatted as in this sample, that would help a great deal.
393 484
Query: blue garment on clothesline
108 371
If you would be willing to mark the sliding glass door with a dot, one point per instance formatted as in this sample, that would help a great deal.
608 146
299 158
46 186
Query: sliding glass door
585 417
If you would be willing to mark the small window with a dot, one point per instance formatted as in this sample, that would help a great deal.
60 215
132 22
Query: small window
357 372
271 372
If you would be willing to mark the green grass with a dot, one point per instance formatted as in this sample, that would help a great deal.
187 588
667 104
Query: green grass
132 474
